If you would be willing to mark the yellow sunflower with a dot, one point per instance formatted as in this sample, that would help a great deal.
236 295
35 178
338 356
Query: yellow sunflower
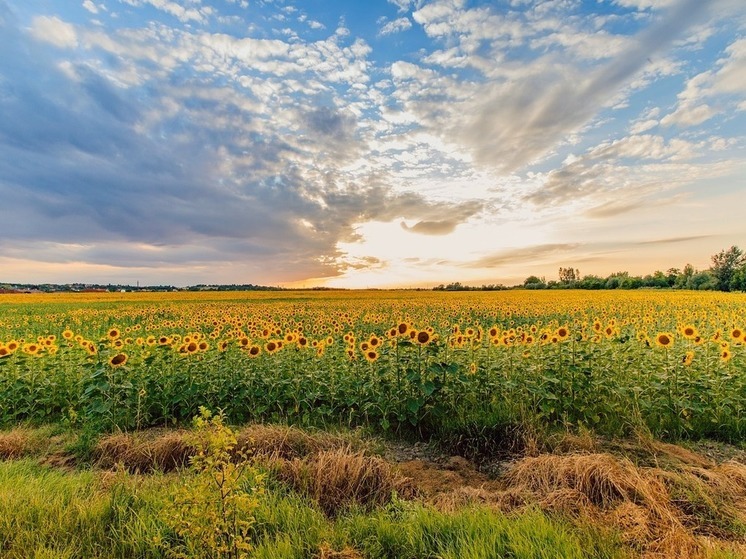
664 339
118 360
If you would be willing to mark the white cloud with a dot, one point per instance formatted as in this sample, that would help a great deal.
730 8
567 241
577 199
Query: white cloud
90 6
402 5
54 31
396 26
710 93
175 9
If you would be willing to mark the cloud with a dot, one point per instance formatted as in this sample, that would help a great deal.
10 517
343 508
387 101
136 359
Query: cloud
724 87
210 172
432 227
521 110
674 240
181 13
395 26
54 31
521 255
90 6
402 5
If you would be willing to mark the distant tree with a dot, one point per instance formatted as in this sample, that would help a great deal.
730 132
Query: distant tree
738 281
657 279
724 265
569 275
591 282
534 282
614 281
684 278
671 275
703 281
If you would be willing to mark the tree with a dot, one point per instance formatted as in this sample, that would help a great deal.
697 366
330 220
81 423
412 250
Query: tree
738 281
703 281
684 279
534 282
724 265
569 275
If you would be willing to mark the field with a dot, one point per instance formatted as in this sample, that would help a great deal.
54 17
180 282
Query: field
561 376
670 363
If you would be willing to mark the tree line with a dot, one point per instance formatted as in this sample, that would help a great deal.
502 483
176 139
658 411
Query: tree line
727 273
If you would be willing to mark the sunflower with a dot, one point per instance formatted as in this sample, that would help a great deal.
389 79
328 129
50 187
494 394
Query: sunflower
371 355
271 347
736 335
68 334
403 328
4 351
688 358
32 349
113 333
203 346
118 360
725 354
255 350
664 339
423 337
12 345
562 333
689 332
494 331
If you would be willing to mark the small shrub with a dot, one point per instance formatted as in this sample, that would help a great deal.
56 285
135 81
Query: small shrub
213 512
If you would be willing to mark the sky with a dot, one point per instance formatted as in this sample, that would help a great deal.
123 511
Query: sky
375 143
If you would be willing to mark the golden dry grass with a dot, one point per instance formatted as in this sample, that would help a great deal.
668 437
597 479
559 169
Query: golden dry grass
338 478
13 444
167 449
163 450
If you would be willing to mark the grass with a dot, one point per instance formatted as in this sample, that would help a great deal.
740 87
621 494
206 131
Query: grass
54 514
328 496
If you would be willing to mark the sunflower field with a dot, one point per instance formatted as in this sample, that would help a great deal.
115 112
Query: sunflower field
670 363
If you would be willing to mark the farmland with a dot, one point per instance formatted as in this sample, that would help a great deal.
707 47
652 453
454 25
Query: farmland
553 384
669 363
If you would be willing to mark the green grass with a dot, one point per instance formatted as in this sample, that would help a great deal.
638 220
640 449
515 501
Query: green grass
47 513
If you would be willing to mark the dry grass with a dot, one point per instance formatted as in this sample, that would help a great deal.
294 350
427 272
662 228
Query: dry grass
14 444
282 442
338 478
328 552
680 512
167 449
144 451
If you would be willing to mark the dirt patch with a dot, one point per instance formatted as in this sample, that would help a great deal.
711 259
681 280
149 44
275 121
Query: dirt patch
433 479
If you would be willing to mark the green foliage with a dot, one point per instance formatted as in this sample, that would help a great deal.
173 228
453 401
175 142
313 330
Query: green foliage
213 512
